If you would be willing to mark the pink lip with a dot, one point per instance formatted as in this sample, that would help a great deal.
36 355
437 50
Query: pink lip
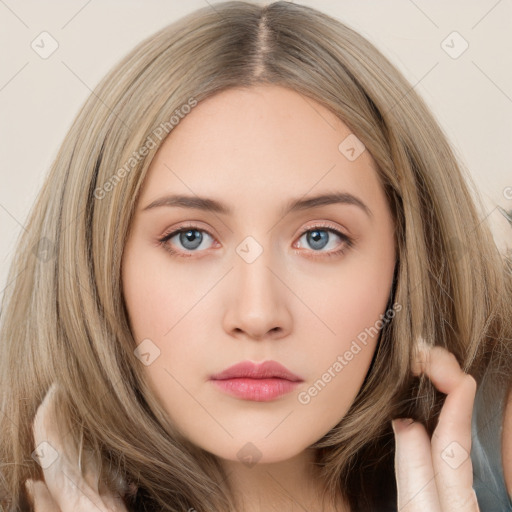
258 382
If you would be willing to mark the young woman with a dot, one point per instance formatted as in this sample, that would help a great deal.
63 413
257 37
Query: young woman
255 250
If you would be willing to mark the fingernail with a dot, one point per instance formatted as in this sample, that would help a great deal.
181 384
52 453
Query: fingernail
400 424
29 484
420 354
422 344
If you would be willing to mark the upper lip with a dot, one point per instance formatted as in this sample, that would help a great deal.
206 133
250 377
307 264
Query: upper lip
264 370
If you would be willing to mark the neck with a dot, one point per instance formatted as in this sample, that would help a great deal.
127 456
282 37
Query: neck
288 486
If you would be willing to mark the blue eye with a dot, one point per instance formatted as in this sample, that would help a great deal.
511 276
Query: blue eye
317 238
191 239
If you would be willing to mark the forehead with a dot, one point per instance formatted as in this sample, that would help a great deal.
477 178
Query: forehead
264 139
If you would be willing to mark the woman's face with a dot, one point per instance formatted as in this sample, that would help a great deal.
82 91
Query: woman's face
264 270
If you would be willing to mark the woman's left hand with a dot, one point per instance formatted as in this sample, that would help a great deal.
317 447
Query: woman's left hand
64 489
437 474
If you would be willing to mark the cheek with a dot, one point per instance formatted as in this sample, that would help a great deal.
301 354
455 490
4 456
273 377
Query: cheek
364 300
155 298
353 311
166 312
351 304
160 311
340 361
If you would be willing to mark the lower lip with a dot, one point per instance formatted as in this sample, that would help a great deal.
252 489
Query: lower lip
258 390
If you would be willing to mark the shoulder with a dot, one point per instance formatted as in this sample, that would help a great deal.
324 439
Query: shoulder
506 448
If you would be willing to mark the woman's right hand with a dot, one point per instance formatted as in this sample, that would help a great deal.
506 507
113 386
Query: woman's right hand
64 489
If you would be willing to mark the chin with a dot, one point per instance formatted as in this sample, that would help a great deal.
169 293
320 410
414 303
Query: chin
257 450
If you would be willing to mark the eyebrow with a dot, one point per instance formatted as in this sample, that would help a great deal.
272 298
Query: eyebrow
207 204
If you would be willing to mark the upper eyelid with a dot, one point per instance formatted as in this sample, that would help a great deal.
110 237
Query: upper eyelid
175 231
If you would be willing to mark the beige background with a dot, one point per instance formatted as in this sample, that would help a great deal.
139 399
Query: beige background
471 95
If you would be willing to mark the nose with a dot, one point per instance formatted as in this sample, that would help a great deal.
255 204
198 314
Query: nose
258 306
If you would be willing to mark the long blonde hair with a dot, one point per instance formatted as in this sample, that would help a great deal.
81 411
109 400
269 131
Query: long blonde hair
64 319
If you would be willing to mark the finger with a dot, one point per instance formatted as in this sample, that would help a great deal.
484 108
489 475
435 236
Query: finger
66 485
451 440
40 496
416 485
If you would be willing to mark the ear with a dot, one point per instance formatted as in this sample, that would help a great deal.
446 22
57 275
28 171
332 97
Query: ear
507 442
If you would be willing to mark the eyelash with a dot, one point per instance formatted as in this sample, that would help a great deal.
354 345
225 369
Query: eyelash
348 242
